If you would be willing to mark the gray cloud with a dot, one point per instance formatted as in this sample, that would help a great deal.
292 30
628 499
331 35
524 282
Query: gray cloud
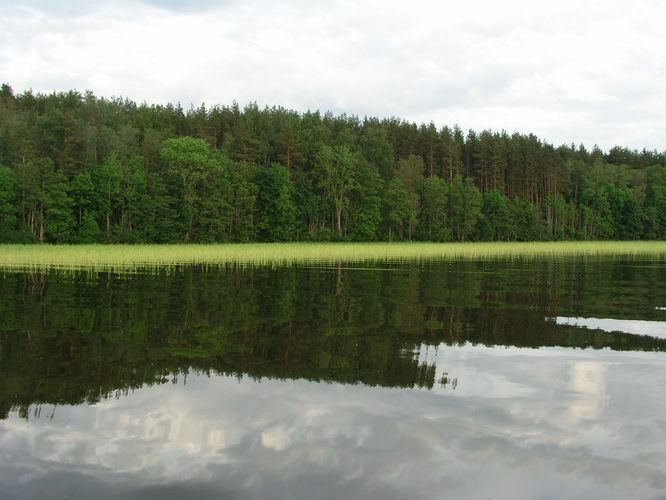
190 6
81 7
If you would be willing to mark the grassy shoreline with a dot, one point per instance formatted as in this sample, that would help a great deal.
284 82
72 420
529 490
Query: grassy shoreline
136 257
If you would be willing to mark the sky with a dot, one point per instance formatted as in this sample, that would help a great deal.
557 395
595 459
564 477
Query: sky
589 72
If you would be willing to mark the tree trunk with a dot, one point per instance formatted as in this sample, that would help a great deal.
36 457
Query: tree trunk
338 217
41 224
108 210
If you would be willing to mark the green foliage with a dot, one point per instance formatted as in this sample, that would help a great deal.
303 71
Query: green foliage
275 204
87 231
79 168
365 212
378 150
106 178
464 207
655 220
334 172
410 172
498 217
434 212
398 211
526 226
8 208
189 160
59 218
242 195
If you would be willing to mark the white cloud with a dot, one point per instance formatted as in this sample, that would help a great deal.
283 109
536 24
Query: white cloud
569 72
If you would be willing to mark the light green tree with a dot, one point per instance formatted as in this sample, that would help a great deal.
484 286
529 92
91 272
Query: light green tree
189 160
335 176
8 197
464 207
275 204
434 210
398 211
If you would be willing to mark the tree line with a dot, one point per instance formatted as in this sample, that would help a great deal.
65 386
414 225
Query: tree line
75 168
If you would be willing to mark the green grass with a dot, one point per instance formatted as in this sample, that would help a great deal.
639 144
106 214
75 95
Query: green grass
128 258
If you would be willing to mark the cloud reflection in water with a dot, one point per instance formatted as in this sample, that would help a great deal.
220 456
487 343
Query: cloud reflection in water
520 421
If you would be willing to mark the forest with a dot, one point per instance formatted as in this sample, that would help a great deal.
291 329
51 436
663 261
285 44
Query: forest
76 168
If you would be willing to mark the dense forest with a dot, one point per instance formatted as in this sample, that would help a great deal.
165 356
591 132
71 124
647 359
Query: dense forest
75 168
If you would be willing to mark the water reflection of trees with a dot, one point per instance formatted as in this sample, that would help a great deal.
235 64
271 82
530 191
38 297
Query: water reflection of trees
82 337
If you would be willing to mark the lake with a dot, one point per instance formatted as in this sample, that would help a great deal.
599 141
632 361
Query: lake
535 377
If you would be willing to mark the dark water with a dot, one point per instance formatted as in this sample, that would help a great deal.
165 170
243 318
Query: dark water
490 379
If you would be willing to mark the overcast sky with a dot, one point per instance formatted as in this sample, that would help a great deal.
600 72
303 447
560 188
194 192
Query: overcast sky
569 71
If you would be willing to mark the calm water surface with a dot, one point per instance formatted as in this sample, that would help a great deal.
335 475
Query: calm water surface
470 379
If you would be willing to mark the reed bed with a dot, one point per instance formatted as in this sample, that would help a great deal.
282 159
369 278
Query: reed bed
129 258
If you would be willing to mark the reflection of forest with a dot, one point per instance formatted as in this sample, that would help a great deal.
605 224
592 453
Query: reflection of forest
74 338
